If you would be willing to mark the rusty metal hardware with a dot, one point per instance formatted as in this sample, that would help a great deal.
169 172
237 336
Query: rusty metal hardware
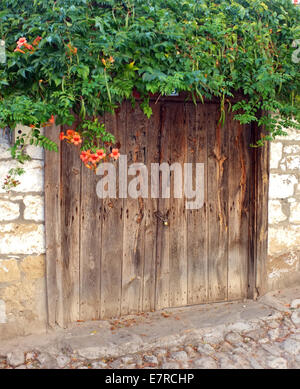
163 218
75 171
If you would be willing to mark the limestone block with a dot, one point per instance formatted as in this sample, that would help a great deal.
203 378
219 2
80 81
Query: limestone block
283 239
33 266
34 208
31 181
3 318
24 298
284 263
292 149
295 212
19 238
282 185
293 162
275 212
9 270
9 210
4 151
275 155
35 152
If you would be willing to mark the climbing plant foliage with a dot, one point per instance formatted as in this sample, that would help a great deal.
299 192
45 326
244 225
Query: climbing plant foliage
83 58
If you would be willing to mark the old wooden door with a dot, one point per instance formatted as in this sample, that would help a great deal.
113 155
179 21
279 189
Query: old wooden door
119 258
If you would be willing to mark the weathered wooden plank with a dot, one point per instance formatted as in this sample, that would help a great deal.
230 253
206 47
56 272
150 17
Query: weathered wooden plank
197 228
112 230
251 293
218 205
53 230
163 232
134 221
90 246
71 197
238 212
152 156
178 216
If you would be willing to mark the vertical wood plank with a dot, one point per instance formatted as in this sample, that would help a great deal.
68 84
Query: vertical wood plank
238 217
163 232
218 205
197 229
262 157
112 230
53 230
90 246
251 292
71 197
152 156
134 221
178 216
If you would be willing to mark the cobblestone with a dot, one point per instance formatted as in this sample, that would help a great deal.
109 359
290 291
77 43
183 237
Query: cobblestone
179 356
226 363
233 338
296 318
205 349
277 363
151 359
253 355
237 354
62 360
15 358
259 344
257 335
98 365
205 363
47 361
241 362
292 346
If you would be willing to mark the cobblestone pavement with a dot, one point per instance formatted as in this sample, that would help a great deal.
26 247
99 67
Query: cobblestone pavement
271 342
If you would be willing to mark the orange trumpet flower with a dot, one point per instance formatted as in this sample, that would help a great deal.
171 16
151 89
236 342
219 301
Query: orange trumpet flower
115 154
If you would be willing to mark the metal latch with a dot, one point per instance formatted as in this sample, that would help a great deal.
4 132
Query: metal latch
163 218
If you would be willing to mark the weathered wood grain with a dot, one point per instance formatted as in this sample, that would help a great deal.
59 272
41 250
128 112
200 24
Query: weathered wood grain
112 257
53 231
163 232
134 221
112 230
71 199
197 221
260 230
217 203
90 246
178 216
151 204
238 209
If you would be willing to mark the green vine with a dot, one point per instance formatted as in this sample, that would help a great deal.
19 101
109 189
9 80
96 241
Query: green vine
82 58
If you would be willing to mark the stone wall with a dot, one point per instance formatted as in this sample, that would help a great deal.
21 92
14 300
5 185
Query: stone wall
22 247
284 212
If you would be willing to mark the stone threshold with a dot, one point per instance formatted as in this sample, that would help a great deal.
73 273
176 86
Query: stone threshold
165 328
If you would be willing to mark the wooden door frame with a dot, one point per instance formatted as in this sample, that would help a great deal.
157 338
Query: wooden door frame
259 199
56 273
